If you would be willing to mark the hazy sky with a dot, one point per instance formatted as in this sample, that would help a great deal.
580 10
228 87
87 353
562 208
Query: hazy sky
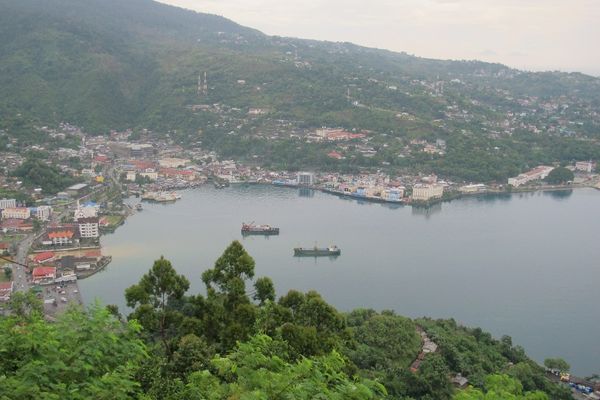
527 34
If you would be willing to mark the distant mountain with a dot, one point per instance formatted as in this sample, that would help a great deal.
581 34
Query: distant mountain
113 64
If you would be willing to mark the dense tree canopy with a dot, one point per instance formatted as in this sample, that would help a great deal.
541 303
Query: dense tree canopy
236 344
560 175
36 173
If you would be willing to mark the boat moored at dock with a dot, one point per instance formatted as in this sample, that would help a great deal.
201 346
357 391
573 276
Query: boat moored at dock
161 197
331 251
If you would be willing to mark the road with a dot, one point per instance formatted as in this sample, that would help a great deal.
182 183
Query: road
19 274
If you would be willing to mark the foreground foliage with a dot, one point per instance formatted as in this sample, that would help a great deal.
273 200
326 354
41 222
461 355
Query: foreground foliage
83 355
235 343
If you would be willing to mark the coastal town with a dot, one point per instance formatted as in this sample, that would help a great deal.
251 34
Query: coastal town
50 241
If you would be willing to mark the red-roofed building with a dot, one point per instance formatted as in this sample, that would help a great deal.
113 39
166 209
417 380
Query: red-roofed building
4 248
101 158
93 254
6 289
44 257
60 236
335 154
17 225
142 165
339 134
42 274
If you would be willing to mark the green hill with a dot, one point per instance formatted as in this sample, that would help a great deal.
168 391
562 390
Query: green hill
108 64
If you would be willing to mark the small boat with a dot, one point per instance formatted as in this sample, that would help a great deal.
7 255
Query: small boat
138 207
317 252
253 229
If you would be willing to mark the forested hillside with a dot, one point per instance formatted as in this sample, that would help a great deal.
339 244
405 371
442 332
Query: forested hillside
108 64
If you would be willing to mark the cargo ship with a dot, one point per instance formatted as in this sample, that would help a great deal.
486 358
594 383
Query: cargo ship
317 252
253 229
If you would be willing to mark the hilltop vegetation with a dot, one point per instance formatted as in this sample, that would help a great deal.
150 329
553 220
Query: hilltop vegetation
242 342
36 173
108 64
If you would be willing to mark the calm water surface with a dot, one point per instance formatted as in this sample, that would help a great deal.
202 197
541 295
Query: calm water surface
525 265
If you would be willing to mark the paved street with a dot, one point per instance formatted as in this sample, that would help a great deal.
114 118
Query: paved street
19 275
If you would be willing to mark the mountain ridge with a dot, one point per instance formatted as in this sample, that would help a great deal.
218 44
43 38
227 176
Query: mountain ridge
108 64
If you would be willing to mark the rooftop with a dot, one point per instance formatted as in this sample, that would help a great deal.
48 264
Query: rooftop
77 186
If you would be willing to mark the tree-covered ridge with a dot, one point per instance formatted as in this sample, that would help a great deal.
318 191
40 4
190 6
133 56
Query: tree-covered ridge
83 355
108 64
239 342
39 174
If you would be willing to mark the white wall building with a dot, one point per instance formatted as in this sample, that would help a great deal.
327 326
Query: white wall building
535 174
584 166
8 203
59 237
305 178
130 176
427 192
473 188
85 212
43 213
88 228
150 174
16 213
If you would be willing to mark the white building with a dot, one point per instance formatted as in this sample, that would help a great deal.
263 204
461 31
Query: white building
90 173
427 192
150 174
305 178
535 174
60 237
8 203
393 193
257 111
88 228
16 213
43 213
130 176
584 166
88 211
473 188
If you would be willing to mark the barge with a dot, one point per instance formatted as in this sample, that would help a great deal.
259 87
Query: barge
331 251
